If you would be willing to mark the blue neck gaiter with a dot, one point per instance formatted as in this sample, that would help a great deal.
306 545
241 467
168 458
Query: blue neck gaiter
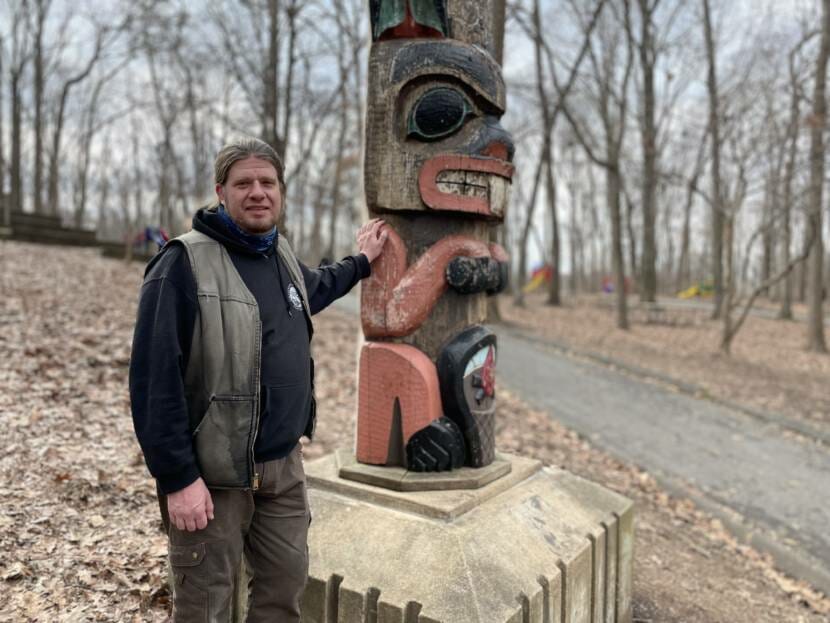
256 242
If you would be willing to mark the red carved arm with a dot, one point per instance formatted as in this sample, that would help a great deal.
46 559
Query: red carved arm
396 300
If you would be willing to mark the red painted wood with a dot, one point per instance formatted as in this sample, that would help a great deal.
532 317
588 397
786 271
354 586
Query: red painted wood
397 299
437 200
389 372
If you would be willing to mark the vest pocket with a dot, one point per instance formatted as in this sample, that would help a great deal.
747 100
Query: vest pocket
223 441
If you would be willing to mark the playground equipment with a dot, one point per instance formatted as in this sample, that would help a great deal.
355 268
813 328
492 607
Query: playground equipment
701 289
151 234
541 275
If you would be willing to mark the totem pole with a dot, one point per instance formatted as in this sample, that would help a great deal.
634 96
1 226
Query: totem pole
438 171
505 538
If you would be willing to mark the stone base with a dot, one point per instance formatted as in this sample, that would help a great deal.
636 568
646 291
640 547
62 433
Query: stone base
535 545
401 479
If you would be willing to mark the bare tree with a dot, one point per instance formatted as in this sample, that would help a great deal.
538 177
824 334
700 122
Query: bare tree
818 125
610 82
4 207
792 135
527 226
343 57
691 187
715 146
91 125
103 36
647 52
20 56
41 11
550 115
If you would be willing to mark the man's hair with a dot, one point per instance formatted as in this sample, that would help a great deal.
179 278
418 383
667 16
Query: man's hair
245 148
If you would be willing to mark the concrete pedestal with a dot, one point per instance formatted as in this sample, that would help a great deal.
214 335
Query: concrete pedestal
534 545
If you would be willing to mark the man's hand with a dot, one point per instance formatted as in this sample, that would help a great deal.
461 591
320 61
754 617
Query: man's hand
190 508
370 238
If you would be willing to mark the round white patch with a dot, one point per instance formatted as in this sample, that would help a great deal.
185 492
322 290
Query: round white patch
294 297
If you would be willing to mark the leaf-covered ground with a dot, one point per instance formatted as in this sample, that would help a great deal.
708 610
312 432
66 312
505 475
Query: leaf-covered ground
79 527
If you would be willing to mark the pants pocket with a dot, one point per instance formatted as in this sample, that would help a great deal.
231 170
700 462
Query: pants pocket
191 599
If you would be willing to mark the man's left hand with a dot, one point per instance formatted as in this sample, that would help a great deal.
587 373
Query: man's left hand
370 238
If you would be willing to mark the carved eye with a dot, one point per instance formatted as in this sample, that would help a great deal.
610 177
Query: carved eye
438 113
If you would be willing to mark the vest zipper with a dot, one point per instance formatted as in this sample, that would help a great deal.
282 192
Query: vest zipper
255 479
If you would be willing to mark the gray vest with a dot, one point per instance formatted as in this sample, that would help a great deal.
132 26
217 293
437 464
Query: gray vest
222 377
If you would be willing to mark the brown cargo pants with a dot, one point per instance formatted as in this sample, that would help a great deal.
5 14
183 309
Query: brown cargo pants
270 527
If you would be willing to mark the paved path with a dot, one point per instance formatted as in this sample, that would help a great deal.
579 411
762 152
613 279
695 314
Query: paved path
778 482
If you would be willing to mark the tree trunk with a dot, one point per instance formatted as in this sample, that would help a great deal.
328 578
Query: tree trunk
786 311
574 233
729 286
683 268
292 10
37 190
714 129
632 238
555 248
270 82
345 106
4 204
612 176
770 208
315 247
815 316
86 154
526 227
105 185
334 197
54 156
16 199
548 122
648 260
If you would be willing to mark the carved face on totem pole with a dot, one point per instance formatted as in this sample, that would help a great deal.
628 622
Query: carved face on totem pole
438 166
433 137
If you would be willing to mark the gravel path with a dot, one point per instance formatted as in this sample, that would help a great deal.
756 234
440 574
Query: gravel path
779 483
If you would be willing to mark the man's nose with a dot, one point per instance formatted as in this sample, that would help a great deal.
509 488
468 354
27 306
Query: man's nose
257 190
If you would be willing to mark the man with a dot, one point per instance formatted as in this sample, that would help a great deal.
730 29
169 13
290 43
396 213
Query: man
221 386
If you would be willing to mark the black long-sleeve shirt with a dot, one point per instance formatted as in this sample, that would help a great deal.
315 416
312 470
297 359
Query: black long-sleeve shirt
167 313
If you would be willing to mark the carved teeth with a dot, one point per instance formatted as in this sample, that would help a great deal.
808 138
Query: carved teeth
492 188
463 183
499 194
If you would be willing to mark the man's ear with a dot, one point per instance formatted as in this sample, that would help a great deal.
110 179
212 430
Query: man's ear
220 192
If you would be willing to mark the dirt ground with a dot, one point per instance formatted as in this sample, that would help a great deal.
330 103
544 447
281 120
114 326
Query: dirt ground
79 527
768 370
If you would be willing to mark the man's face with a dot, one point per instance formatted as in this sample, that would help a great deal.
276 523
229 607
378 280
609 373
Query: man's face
251 195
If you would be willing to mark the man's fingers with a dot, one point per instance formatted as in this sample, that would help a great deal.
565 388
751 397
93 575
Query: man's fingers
209 507
201 521
190 524
179 522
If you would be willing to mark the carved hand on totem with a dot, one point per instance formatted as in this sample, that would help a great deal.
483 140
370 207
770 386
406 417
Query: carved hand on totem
371 237
398 297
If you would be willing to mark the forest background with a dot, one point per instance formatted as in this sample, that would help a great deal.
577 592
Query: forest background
661 144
